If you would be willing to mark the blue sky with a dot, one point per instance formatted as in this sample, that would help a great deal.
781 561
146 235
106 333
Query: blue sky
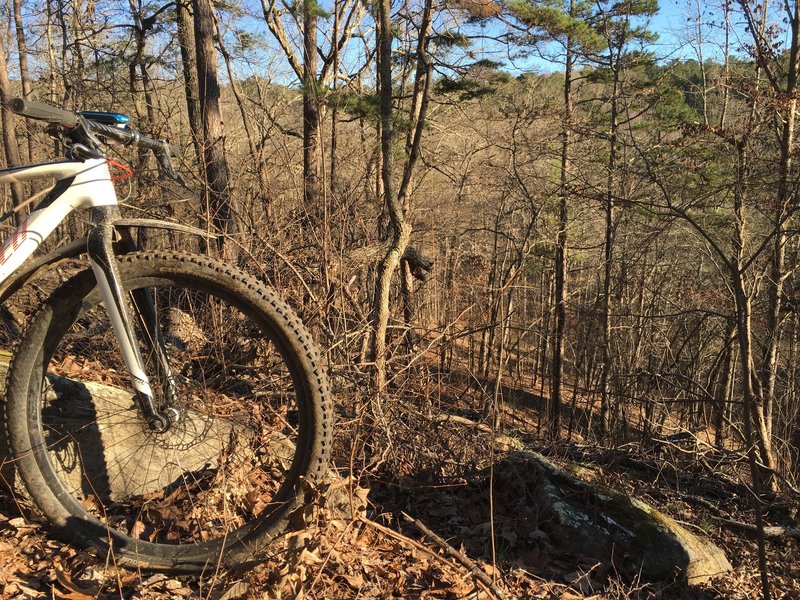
676 20
672 25
675 23
676 26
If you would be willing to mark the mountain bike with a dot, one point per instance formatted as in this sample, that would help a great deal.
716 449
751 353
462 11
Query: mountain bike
162 406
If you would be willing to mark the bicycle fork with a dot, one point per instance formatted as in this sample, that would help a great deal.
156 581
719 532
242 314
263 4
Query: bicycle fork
104 265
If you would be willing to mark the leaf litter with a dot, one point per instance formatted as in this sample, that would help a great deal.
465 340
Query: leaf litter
484 542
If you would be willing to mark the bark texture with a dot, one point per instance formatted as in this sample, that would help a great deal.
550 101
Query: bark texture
216 172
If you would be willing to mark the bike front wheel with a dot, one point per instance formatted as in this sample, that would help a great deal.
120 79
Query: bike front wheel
248 397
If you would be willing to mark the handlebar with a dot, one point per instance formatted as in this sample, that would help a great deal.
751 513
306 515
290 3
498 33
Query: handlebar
126 136
43 112
131 137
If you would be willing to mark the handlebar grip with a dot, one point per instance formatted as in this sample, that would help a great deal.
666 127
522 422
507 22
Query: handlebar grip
127 136
43 112
122 135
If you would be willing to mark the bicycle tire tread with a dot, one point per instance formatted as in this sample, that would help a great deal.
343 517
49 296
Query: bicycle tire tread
213 273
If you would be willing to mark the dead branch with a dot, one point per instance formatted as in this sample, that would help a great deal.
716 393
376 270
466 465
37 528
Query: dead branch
467 562
408 541
770 532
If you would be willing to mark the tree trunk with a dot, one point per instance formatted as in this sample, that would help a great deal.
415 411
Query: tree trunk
311 114
725 387
51 54
752 405
608 258
22 48
215 164
24 71
418 113
9 131
137 70
400 231
726 64
784 200
186 40
557 373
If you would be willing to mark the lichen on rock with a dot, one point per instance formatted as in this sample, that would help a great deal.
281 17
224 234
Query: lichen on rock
585 518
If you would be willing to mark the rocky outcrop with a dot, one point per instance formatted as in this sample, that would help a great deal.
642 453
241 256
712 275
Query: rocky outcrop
583 518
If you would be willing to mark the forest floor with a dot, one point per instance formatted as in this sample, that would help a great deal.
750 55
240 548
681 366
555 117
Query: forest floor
445 517
379 553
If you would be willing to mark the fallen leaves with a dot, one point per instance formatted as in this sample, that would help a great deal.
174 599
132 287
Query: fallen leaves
86 370
70 590
336 557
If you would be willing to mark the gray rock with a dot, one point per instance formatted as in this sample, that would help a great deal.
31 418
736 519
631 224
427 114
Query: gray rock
583 518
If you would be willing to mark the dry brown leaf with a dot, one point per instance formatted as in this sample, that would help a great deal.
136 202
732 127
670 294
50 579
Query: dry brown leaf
21 523
172 584
237 590
137 530
29 592
74 592
309 558
356 582
183 592
71 595
127 578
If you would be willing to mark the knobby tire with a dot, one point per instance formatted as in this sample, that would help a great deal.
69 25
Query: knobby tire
219 486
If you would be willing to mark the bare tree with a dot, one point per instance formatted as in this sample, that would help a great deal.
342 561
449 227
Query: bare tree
215 164
24 70
313 66
9 133
397 205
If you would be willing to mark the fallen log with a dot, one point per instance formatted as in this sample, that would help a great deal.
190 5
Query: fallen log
770 531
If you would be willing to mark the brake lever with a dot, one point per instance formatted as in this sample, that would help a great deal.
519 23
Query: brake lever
165 162
81 152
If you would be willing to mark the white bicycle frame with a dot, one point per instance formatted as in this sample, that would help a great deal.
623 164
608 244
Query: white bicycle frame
79 185
90 187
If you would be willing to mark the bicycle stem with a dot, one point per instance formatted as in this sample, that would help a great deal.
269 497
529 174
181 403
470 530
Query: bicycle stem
104 265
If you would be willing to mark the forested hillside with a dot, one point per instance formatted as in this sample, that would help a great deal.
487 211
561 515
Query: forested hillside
530 221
